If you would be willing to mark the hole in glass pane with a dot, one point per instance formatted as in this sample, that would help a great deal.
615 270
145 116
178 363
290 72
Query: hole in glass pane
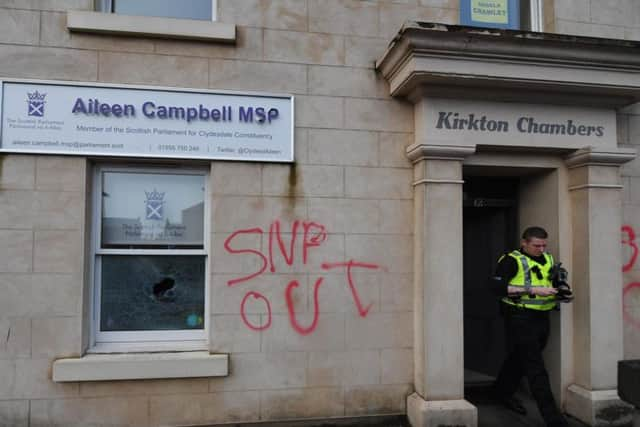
151 293
164 290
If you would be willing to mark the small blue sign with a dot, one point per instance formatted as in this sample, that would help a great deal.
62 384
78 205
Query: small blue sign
490 13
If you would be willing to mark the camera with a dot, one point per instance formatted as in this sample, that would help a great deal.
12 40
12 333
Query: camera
558 276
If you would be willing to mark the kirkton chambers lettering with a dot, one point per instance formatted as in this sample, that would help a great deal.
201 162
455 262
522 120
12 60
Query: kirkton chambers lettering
450 120
225 113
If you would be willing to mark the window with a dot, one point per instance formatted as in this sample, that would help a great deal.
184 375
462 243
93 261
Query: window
184 9
196 20
150 257
509 14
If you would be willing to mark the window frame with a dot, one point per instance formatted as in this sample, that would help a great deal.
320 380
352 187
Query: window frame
159 340
107 6
536 16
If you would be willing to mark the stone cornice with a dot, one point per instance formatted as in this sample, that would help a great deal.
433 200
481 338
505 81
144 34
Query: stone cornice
481 61
418 152
590 157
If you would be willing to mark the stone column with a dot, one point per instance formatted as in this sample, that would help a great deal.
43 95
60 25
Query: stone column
596 204
438 312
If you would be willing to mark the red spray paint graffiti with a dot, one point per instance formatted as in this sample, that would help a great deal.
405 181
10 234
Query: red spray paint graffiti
626 310
313 236
243 314
227 246
316 307
630 241
354 292
631 289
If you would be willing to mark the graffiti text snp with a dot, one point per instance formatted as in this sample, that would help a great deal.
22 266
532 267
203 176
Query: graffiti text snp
310 235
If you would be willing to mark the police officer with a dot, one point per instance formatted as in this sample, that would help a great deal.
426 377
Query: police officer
522 280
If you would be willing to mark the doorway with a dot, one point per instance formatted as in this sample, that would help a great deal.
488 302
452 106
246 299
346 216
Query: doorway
490 228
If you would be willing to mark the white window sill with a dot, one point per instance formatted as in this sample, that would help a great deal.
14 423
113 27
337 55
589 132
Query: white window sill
150 26
136 366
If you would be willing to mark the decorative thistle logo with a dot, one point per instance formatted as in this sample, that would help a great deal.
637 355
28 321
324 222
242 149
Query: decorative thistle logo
154 203
36 104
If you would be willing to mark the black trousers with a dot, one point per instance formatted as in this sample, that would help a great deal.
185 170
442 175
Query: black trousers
527 332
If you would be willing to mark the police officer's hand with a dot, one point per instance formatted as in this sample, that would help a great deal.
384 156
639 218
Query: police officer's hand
543 291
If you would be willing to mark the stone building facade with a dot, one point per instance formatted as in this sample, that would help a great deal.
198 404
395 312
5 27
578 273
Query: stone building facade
367 221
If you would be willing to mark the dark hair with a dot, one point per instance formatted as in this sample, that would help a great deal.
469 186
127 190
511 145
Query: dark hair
537 232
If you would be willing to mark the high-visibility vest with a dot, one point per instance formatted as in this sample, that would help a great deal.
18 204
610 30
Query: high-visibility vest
526 278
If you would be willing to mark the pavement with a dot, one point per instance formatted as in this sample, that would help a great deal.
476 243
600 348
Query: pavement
490 414
493 414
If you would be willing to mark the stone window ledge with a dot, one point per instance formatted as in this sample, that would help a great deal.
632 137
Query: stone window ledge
136 366
150 26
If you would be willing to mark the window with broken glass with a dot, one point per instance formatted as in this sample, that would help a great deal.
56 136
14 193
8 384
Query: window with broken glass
150 256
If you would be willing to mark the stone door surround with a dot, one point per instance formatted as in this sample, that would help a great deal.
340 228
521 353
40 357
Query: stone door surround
436 66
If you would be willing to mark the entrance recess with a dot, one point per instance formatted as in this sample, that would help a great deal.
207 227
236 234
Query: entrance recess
489 230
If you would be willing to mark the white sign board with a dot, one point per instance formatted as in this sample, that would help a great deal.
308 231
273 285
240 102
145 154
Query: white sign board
466 122
142 122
